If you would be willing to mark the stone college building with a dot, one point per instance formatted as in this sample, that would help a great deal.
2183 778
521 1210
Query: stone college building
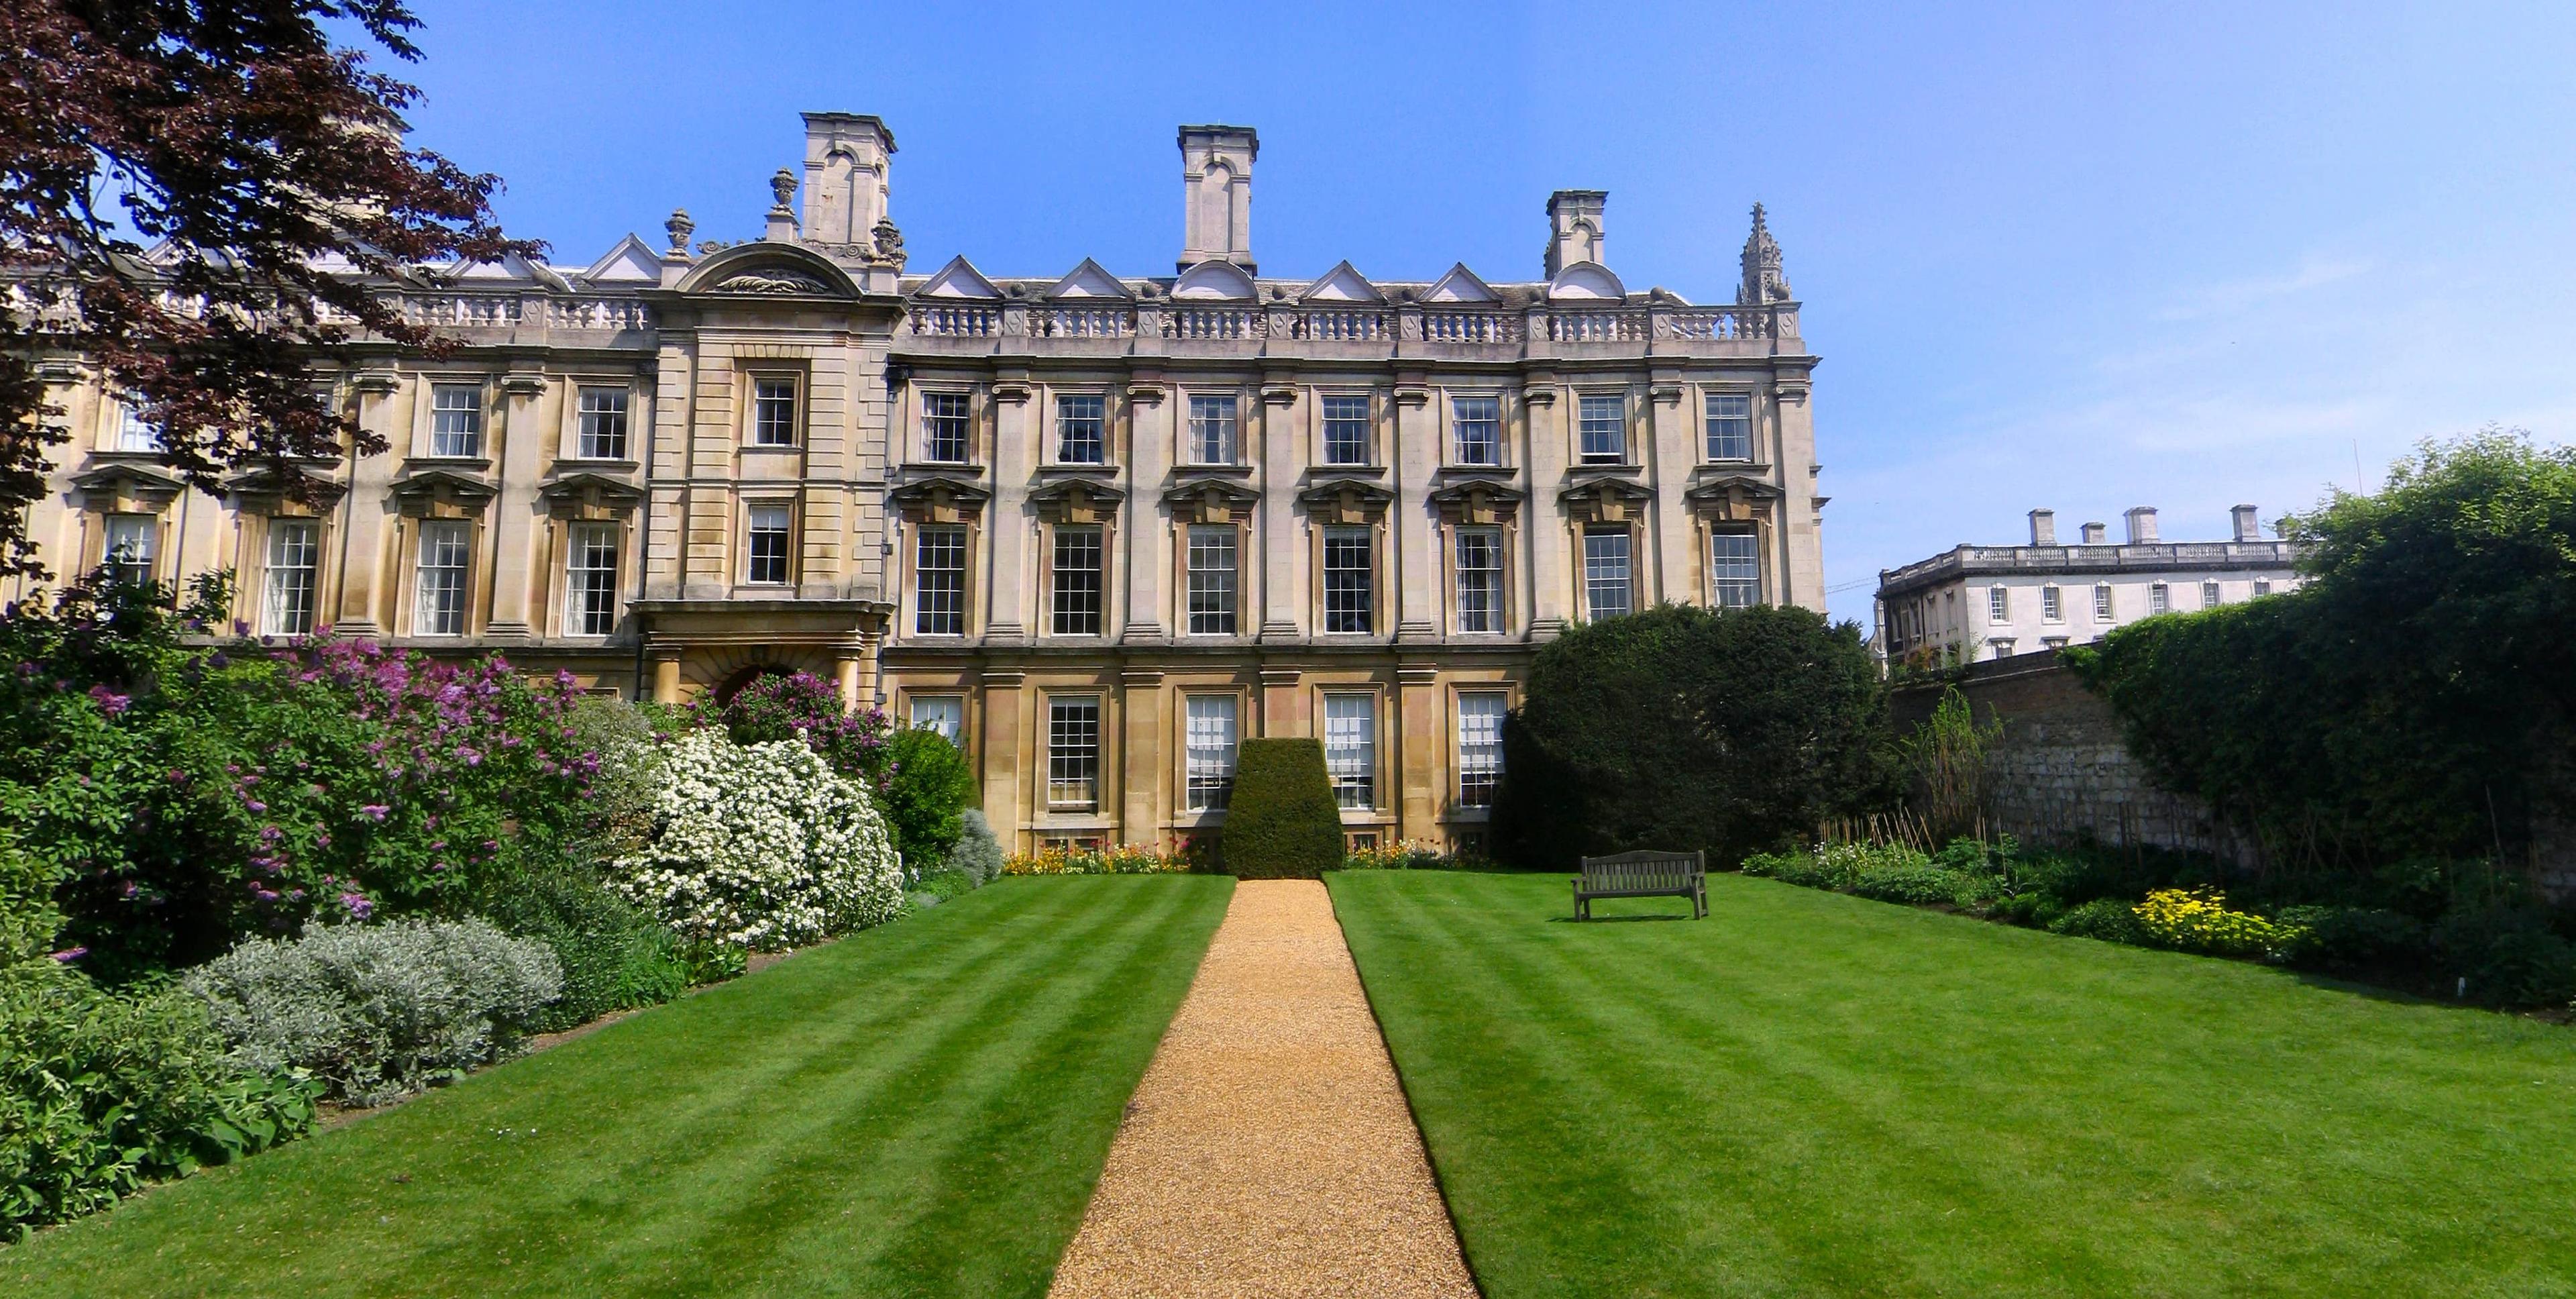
1096 526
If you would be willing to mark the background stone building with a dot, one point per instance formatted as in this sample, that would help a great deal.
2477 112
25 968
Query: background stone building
1097 527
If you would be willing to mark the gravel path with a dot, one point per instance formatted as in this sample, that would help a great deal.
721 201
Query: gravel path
1268 1150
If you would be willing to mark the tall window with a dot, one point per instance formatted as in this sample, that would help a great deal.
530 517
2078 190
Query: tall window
133 432
768 549
441 578
1077 581
945 714
1735 570
1210 757
1999 604
945 427
1073 753
2262 586
590 580
1605 573
131 545
2209 596
2159 598
1346 430
2052 604
1350 748
1603 424
1212 431
602 434
1480 579
1212 585
1477 423
1350 579
286 587
1078 420
773 412
1730 426
2102 603
456 419
1480 748
939 581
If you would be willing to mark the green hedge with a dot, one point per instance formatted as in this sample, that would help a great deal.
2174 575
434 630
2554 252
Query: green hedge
1282 822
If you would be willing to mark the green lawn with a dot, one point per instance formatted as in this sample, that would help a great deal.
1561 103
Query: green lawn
918 1110
1813 1094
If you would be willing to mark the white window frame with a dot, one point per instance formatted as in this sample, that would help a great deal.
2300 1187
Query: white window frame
947 427
2211 594
945 714
1350 607
134 433
2052 604
1998 604
1215 429
1735 579
1481 612
1490 426
456 431
1065 616
291 579
1609 573
1480 746
1599 440
137 537
1068 451
2102 606
590 587
939 591
1350 749
1342 450
1073 753
1211 729
2159 599
766 431
442 577
755 514
1212 562
1727 429
600 428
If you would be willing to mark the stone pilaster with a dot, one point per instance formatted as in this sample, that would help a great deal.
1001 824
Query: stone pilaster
1413 536
1550 586
1145 531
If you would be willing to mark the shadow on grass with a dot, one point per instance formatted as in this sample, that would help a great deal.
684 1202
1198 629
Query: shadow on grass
1612 920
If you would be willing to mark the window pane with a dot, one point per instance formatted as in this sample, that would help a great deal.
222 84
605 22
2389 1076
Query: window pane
1350 594
773 412
2159 598
944 427
2209 597
456 419
2052 604
133 432
1073 753
1212 430
1605 574
1077 581
1350 748
1480 748
1735 570
1210 757
2102 604
1604 429
1730 426
945 714
1078 422
1480 579
939 582
294 556
1346 430
1998 604
1212 584
1478 423
603 424
590 580
131 544
441 578
768 553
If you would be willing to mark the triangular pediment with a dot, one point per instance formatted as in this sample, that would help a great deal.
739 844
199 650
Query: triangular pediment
1460 285
1213 280
631 261
1341 284
958 279
1088 280
1586 282
510 269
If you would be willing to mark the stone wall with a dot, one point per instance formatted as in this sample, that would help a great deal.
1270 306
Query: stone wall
2061 774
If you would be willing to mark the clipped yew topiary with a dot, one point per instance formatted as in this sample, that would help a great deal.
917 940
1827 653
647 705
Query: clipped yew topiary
1281 822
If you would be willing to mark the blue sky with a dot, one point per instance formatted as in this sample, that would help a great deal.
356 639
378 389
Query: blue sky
2082 256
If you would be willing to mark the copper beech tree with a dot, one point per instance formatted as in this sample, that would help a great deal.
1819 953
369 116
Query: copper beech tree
202 200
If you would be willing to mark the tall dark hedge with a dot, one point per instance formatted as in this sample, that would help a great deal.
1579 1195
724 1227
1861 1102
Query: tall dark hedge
1735 731
2413 699
1282 821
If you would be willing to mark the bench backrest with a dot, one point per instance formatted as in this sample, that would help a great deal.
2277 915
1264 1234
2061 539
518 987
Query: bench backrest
1642 870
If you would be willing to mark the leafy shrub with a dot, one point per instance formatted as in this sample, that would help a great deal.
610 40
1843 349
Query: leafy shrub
2508 954
378 1011
2198 920
804 707
1282 821
1407 855
945 885
615 955
628 742
1916 885
761 847
102 1091
2108 919
927 788
2354 937
977 854
1111 859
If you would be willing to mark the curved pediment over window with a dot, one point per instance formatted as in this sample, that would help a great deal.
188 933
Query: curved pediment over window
1219 280
767 268
1586 281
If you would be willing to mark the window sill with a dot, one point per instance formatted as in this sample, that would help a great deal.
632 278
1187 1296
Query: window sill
454 462
772 448
590 462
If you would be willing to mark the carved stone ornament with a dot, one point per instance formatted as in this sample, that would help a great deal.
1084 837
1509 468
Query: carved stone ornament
1606 500
889 241
1346 501
1478 501
1210 500
942 499
771 281
590 496
442 494
783 186
1077 501
271 490
121 488
1734 498
680 227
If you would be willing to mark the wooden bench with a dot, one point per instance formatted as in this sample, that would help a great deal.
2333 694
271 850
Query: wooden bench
1643 875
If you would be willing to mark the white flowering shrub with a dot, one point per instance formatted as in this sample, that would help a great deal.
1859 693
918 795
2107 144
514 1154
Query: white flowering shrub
761 847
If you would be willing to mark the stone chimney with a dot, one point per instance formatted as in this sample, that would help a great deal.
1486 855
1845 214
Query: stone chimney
2096 534
2043 527
1216 194
847 156
2248 527
2142 524
1574 229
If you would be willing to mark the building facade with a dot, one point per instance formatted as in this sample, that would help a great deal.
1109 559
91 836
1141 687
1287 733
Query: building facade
1097 527
1974 603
